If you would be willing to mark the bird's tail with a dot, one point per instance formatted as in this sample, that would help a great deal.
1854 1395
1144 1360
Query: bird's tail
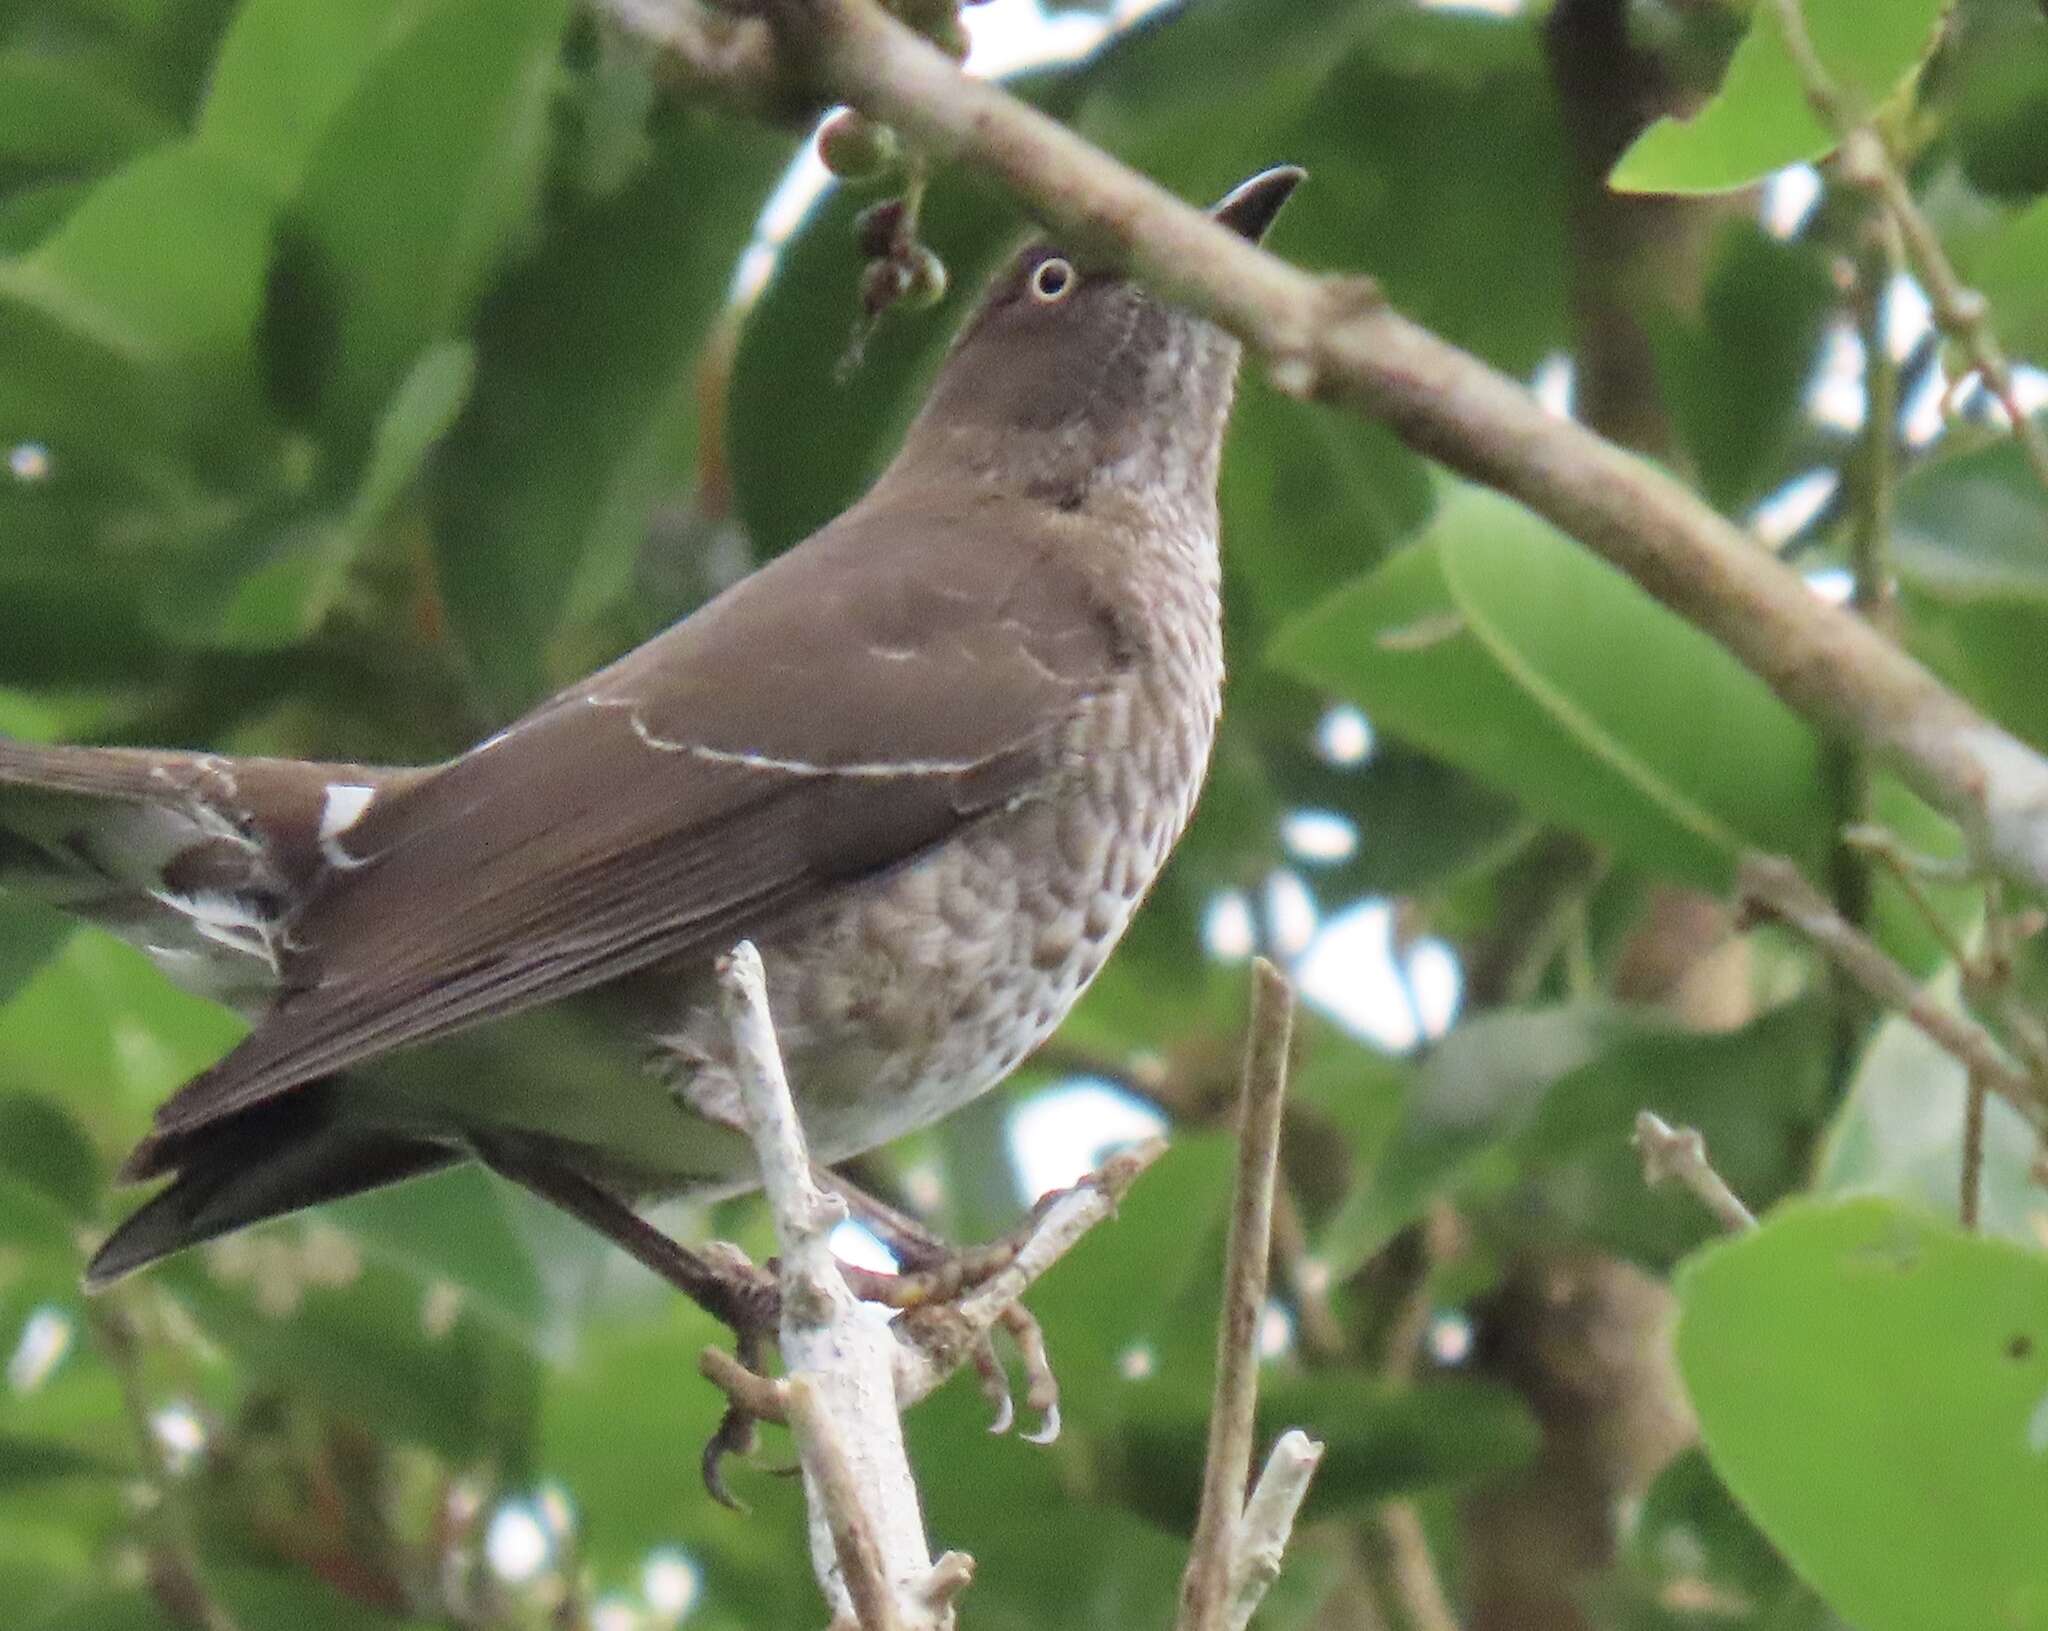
197 858
281 1158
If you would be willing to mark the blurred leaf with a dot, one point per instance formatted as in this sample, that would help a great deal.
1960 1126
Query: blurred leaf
1848 1353
1545 1100
1760 119
415 188
1380 1442
1756 1094
1735 378
300 1599
38 1461
1495 642
50 1176
2011 272
584 388
1993 91
1972 552
806 432
1438 167
359 1336
1899 1133
101 1032
1480 1086
284 70
57 115
118 1608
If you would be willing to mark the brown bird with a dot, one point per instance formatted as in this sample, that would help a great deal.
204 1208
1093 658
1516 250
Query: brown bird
929 760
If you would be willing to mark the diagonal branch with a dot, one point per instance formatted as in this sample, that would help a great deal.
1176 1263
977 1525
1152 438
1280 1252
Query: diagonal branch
1334 340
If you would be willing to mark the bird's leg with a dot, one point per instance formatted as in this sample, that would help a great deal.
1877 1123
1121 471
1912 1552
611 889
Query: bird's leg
935 1272
726 1286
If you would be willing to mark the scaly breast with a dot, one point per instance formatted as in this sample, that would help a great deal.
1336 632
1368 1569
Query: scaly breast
925 988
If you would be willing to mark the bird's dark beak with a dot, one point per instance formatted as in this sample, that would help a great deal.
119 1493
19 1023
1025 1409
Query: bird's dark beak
1249 207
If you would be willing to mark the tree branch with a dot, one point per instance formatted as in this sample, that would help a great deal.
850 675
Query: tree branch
1335 340
1774 885
867 1532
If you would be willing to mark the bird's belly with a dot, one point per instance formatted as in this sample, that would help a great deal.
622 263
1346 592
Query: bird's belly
922 989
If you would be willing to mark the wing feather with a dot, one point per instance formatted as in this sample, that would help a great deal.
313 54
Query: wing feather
856 702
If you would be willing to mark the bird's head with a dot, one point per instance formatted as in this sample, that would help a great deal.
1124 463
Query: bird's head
1070 376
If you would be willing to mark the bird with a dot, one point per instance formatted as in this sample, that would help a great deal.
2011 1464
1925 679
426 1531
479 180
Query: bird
929 760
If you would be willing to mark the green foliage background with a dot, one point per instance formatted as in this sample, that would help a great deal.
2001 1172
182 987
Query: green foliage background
368 368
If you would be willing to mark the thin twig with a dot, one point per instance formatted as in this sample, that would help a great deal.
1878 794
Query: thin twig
1268 1523
1415 1580
1972 1197
1866 162
1681 1153
1205 1589
947 1333
845 1502
1774 884
865 1522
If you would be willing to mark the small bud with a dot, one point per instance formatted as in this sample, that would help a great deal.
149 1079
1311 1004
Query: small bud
854 147
926 274
877 228
883 284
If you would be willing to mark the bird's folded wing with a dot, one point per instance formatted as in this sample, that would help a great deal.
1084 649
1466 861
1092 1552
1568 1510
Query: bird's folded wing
835 715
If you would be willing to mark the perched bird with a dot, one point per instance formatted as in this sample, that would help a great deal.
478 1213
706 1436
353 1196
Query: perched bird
929 760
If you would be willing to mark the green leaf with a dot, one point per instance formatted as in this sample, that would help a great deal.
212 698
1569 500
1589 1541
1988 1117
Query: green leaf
1873 1385
1760 119
362 1336
40 1461
1734 376
169 253
56 115
586 393
415 188
806 434
1438 167
2010 270
1496 643
284 70
1972 550
50 1177
1380 1441
1899 1133
1479 1088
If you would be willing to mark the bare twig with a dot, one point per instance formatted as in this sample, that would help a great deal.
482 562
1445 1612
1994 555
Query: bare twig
1336 341
1680 1152
1774 885
949 1333
867 1533
1268 1522
1206 1588
843 1498
1866 162
1971 1199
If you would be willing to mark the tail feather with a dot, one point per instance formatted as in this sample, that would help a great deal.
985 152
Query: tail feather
196 858
287 1157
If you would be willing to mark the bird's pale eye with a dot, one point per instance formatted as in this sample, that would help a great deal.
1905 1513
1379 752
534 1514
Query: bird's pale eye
1052 280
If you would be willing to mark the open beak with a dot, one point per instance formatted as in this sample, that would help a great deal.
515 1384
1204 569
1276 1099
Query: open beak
1248 208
